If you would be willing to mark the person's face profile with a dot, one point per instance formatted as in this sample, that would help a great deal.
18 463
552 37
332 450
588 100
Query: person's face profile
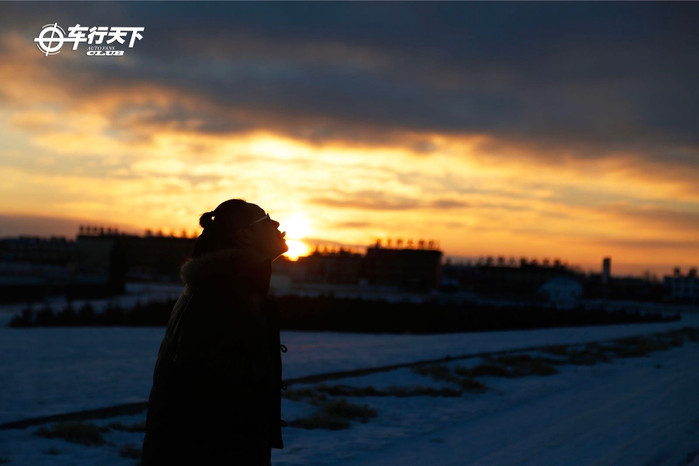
265 236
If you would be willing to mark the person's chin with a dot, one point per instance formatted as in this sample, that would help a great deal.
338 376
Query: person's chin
281 248
280 251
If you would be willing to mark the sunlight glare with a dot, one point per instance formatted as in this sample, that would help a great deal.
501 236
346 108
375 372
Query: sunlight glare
296 249
296 226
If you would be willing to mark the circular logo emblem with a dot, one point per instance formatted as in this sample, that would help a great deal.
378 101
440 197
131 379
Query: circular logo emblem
50 45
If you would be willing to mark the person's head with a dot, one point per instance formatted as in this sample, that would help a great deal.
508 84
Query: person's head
240 225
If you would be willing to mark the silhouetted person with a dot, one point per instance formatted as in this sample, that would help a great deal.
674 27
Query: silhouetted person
216 396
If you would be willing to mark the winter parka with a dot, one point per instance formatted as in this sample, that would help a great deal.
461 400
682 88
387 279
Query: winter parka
217 380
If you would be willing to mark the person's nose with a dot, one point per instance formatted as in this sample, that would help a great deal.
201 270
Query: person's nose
275 223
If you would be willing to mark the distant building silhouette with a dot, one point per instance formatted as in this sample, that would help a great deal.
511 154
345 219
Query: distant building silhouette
32 267
562 292
341 267
408 269
150 257
683 288
606 270
101 260
512 279
415 270
96 264
35 250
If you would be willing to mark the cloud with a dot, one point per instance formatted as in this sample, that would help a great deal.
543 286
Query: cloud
378 200
33 225
652 244
679 222
366 200
344 225
525 121
588 80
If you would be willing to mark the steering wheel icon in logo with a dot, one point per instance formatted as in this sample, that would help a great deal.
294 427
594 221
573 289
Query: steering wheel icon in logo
46 44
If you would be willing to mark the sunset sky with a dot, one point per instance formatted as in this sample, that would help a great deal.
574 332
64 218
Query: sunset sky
539 130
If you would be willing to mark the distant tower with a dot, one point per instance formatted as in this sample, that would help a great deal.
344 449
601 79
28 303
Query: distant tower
606 269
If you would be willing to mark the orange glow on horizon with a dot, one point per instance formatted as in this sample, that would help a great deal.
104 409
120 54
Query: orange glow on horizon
104 158
296 227
297 249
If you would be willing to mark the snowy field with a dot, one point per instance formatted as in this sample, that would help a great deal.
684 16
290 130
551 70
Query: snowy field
628 411
56 370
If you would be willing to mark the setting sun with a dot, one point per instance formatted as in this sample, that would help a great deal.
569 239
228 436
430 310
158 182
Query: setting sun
297 249
297 227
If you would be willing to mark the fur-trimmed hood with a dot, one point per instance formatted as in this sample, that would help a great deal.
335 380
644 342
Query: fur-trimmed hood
222 268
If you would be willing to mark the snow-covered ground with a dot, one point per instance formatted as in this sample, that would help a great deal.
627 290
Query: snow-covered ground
56 370
629 411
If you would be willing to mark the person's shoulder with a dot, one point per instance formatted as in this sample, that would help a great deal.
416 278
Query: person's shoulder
226 268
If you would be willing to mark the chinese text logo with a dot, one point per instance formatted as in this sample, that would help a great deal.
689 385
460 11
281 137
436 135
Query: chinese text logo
98 38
